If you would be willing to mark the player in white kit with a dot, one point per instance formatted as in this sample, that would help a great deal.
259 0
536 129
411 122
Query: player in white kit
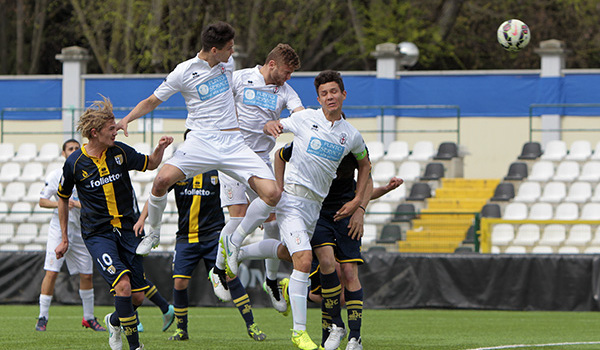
261 94
322 138
78 258
215 140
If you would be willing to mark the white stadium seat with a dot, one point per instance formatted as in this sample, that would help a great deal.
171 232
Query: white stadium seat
515 211
580 150
596 154
25 233
542 249
568 250
541 171
383 171
554 192
540 211
515 249
376 150
566 211
14 192
527 235
19 212
7 232
528 192
40 215
590 171
7 152
553 235
51 167
579 192
555 150
502 234
378 213
26 152
49 152
567 171
590 211
579 235
422 151
9 172
32 172
409 171
397 151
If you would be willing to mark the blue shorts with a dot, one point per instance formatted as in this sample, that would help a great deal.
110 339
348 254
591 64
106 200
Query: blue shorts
335 233
114 255
188 255
315 276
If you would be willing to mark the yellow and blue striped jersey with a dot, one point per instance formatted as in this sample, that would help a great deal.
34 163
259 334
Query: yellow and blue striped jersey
199 207
104 187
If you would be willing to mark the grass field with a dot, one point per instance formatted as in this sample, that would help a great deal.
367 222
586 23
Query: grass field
222 328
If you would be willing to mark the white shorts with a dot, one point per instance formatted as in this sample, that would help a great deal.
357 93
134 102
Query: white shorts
234 192
297 218
77 257
225 151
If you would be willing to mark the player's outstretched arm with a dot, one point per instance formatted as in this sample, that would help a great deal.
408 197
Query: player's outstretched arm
144 107
394 183
63 219
355 226
156 157
273 128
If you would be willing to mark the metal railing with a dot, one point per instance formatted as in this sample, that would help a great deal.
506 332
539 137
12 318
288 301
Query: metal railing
535 106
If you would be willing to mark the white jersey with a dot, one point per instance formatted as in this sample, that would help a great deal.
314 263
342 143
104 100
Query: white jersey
207 93
319 148
49 192
258 103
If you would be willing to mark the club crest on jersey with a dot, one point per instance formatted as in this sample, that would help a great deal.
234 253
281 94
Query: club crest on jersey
275 89
214 180
222 69
229 193
343 138
119 159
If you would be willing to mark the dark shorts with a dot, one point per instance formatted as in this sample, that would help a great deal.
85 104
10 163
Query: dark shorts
114 256
315 276
335 233
188 255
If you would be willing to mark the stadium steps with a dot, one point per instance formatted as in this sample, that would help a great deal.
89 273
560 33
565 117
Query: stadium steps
441 226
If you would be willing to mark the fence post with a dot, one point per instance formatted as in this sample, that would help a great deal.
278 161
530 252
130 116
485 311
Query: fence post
74 59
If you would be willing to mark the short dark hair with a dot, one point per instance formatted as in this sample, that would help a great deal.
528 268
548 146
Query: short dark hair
64 146
328 76
217 35
284 53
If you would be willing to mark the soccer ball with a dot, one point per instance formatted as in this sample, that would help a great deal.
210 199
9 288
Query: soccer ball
513 35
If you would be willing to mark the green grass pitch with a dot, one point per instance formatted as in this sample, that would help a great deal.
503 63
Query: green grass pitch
223 328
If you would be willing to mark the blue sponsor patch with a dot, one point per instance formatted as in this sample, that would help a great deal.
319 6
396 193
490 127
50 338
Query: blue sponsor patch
259 98
325 149
212 87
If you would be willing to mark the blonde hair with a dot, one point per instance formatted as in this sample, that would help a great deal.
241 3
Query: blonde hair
284 53
95 117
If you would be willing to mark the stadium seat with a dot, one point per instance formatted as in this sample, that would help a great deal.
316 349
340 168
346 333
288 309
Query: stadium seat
383 171
32 172
168 233
579 235
397 152
567 171
542 249
531 150
596 239
14 192
7 152
433 171
34 247
394 196
579 192
504 191
566 211
596 195
590 171
168 153
580 150
369 234
515 249
555 150
145 193
528 192
554 192
7 232
517 171
422 151
378 213
495 250
3 210
404 212
419 192
540 211
25 233
470 236
464 249
541 171
51 167
19 212
42 236
446 151
33 192
590 211
137 189
49 152
9 247
9 172
26 152
376 150
568 250
591 250
502 234
527 235
553 235
491 210
40 215
409 171
390 233
596 154
144 176
143 148
515 211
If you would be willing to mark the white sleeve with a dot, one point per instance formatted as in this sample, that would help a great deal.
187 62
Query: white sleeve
291 123
237 79
51 186
293 100
171 84
358 146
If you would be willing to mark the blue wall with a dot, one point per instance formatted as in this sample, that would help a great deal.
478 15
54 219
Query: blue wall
507 95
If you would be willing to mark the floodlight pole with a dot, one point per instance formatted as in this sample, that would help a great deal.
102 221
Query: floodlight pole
388 59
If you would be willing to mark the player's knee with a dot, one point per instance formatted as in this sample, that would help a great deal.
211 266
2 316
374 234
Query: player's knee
271 195
137 298
161 184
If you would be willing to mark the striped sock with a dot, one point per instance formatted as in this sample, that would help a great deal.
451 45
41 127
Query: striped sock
154 296
128 319
180 304
354 305
331 291
241 300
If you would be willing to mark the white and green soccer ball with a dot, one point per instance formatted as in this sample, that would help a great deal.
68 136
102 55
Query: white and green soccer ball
513 35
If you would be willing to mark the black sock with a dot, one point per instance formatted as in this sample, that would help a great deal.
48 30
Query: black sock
241 300
128 319
154 296
180 304
331 289
354 305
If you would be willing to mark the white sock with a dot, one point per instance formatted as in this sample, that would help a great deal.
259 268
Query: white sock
271 265
267 248
258 211
297 289
227 230
156 208
87 299
45 301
